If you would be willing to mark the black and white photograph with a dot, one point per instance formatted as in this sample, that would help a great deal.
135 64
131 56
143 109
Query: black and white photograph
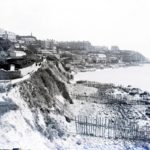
74 74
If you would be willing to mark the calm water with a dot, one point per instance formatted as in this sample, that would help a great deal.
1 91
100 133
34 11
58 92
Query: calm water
137 76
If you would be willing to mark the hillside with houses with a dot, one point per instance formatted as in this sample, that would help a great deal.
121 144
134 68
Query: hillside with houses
26 49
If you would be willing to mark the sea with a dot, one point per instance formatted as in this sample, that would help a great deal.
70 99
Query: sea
135 76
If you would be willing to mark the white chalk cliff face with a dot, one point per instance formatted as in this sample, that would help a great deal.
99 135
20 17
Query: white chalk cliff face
25 112
18 129
17 124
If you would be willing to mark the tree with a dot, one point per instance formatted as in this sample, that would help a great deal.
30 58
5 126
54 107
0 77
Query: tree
5 44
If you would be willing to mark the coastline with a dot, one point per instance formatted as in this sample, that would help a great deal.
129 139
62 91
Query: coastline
135 76
94 67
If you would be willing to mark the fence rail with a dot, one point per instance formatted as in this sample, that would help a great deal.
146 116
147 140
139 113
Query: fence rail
110 99
106 128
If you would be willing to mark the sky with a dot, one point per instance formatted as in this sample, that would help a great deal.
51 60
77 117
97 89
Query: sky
124 23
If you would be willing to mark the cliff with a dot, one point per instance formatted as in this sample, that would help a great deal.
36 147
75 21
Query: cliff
35 107
132 56
37 113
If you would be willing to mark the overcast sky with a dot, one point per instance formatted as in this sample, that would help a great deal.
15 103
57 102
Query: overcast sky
125 23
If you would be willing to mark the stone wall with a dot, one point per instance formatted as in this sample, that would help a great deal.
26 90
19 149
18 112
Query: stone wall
9 75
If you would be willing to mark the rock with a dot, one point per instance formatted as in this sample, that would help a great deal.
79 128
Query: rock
78 142
67 119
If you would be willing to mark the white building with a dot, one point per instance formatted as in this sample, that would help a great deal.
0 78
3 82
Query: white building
8 35
17 53
12 67
102 56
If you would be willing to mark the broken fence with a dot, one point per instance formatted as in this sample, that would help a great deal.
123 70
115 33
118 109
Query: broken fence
109 99
107 128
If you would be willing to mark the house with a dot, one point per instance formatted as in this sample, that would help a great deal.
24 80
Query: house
115 48
97 58
101 58
101 48
49 44
16 54
19 46
12 67
113 60
27 39
8 35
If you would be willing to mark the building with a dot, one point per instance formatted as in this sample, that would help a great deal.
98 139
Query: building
102 56
115 48
8 35
12 67
112 59
101 48
19 46
16 54
28 40
49 44
75 45
96 58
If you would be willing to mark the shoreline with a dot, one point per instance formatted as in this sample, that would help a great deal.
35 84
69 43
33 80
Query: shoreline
135 76
94 67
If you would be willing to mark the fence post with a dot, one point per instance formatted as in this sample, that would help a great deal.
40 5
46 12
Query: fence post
89 126
92 126
83 124
86 125
115 129
102 127
146 137
80 125
108 127
76 125
96 127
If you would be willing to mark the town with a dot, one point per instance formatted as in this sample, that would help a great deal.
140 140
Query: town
18 52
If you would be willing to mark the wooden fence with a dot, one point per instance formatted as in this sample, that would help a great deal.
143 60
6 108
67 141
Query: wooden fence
110 99
106 128
97 84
